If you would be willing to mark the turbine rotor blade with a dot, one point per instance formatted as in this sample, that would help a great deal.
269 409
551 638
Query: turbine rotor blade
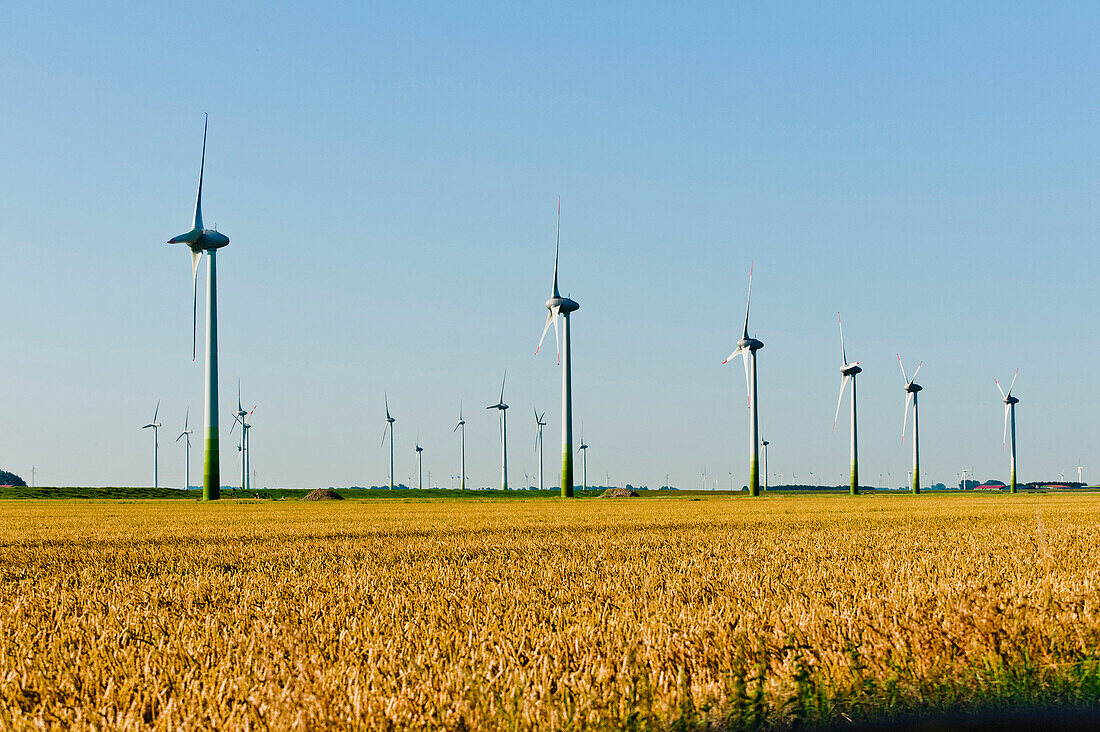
1004 435
1013 382
502 383
745 355
557 240
545 328
156 411
843 353
748 301
843 386
903 376
998 385
196 257
730 357
905 418
202 166
916 372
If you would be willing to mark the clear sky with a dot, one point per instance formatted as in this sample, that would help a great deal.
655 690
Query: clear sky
388 176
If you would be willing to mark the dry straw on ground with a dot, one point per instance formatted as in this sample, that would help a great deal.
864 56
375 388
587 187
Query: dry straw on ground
542 614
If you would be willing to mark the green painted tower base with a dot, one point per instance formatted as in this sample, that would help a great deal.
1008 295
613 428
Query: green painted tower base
853 488
567 472
754 479
211 472
916 483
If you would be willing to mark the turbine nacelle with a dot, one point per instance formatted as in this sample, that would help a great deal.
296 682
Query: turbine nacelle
913 387
750 344
851 369
1011 400
562 304
201 240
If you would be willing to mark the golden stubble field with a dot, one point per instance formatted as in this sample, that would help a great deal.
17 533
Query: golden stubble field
547 614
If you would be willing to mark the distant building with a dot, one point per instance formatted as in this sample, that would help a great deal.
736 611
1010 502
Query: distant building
989 487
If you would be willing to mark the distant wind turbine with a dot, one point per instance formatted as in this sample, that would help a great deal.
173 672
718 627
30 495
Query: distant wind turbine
911 389
389 431
562 306
200 240
187 451
503 409
848 373
764 448
747 348
155 425
419 464
1079 469
462 445
539 424
241 416
1010 416
584 462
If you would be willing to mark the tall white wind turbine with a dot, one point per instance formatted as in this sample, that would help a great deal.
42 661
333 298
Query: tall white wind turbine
747 348
201 239
186 451
539 424
389 431
562 306
462 447
1010 417
911 389
155 425
848 373
502 408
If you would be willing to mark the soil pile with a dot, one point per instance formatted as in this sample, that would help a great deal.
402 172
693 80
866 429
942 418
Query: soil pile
323 494
619 493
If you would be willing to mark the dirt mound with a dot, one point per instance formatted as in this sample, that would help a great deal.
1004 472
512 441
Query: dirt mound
619 493
323 494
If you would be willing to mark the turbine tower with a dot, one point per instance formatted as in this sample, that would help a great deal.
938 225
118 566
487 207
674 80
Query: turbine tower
419 464
389 431
462 444
503 409
539 424
186 451
1010 416
563 306
848 373
584 461
1079 469
200 240
911 389
155 425
764 448
747 348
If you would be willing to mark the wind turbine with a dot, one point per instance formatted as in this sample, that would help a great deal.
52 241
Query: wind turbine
419 463
747 348
563 306
462 442
241 416
911 389
1010 416
200 240
539 424
156 442
187 451
1079 469
584 462
848 373
764 447
503 409
389 431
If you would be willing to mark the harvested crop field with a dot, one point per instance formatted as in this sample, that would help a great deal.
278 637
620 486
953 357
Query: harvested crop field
545 614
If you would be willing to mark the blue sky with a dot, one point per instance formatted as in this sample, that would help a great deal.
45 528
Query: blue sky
388 176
